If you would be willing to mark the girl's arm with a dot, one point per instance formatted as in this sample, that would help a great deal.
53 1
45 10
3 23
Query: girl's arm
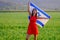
29 8
41 18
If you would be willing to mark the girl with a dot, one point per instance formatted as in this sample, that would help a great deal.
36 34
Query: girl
32 28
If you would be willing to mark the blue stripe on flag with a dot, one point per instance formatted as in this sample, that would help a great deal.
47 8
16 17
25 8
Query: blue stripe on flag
40 10
29 17
40 23
38 14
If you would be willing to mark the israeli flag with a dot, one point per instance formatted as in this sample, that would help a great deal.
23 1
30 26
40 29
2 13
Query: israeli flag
40 13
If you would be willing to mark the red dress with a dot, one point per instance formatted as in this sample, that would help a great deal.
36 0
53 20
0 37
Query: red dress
32 28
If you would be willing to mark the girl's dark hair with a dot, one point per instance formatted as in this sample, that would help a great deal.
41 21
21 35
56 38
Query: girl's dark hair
33 13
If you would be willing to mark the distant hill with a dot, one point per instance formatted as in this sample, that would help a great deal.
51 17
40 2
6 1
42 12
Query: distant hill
22 4
5 5
10 5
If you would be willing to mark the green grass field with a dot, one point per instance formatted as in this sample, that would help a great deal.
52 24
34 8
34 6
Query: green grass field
13 26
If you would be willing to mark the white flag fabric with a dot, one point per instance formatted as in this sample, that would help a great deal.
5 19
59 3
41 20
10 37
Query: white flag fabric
41 13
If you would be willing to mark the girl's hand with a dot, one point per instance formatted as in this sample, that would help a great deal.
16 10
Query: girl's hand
29 2
29 8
